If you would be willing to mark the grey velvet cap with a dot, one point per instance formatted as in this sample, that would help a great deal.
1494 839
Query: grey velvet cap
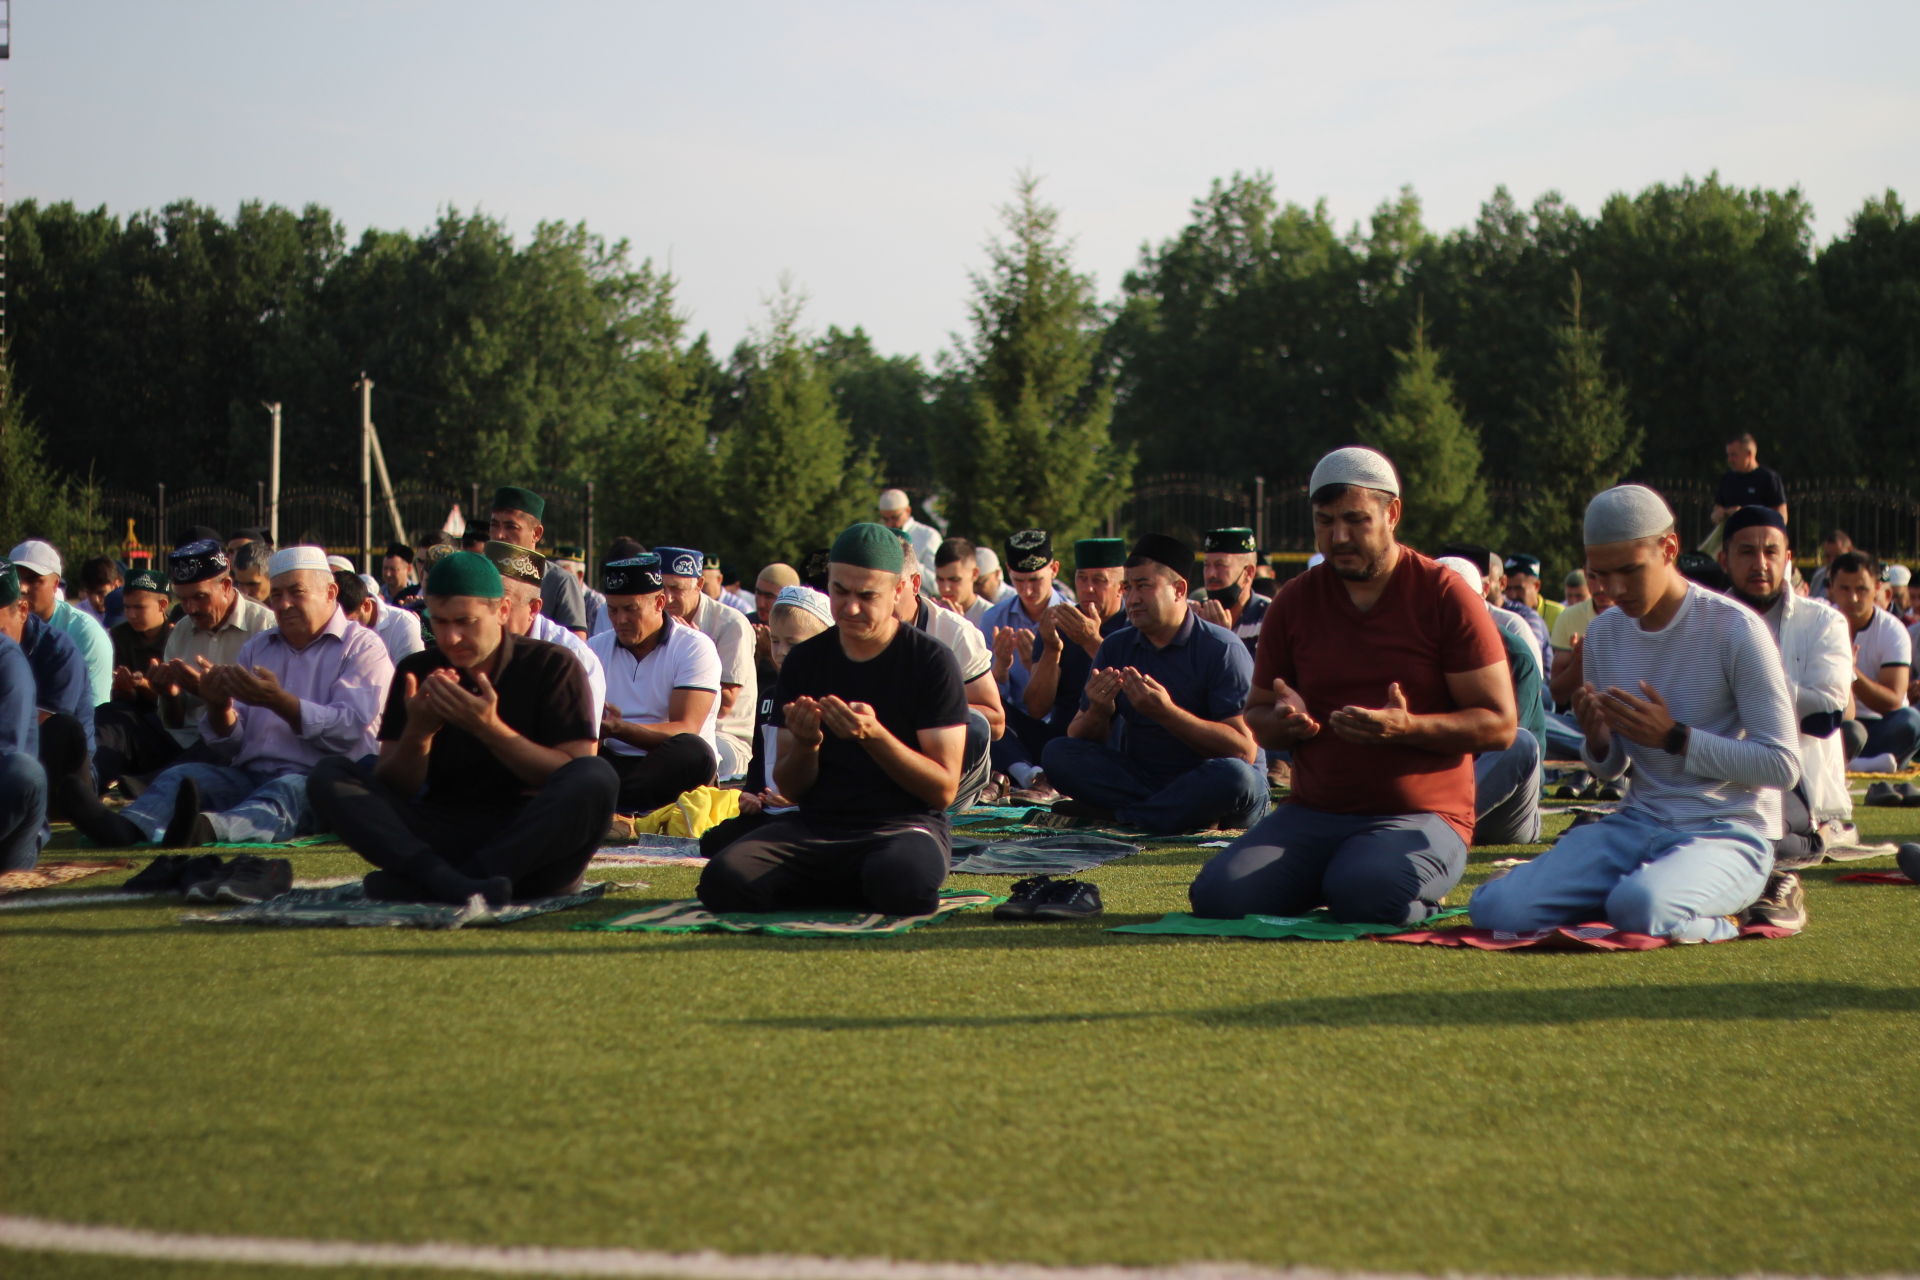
1355 465
1627 512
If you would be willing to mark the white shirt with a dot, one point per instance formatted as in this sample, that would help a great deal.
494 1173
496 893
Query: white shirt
732 636
397 628
545 628
1883 642
1816 654
925 541
642 689
954 631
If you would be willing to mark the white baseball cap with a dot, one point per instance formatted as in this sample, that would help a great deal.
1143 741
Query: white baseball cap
37 556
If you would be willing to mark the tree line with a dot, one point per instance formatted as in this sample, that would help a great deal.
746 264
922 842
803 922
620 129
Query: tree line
1539 351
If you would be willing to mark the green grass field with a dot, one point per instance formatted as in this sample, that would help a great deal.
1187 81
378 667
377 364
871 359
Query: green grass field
975 1091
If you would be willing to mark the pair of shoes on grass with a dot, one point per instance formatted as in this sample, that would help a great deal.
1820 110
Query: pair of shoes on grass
1044 898
1893 795
206 878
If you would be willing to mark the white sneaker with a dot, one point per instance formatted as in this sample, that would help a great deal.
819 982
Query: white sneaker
1841 842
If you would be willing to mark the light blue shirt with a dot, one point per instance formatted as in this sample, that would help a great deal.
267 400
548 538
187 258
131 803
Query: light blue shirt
95 647
1009 612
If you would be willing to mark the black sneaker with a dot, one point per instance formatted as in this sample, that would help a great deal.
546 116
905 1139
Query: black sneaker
1909 795
1881 795
203 875
252 879
1908 860
1782 904
162 875
182 826
1019 904
1068 900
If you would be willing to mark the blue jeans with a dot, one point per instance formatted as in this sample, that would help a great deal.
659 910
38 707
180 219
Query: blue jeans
1897 733
1636 874
23 811
1506 793
1364 868
1218 792
244 806
1564 738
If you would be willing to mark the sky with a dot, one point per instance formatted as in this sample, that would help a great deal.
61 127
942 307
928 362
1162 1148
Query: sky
863 151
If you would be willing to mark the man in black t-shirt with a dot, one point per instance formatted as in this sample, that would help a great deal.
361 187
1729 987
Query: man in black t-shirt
873 725
487 781
1747 483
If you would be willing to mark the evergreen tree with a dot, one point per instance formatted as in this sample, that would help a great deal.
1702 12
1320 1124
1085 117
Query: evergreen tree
1434 447
1032 447
36 500
1581 440
794 475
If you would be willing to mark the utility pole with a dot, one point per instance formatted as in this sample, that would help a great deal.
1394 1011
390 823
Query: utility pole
366 473
273 476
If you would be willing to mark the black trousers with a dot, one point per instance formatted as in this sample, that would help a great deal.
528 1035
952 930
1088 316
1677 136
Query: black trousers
69 769
542 843
131 740
894 866
679 764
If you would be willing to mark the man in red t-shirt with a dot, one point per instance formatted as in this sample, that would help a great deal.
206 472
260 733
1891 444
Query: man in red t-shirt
1382 673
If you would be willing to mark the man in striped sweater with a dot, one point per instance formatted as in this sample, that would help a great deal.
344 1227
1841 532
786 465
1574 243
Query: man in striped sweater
1686 686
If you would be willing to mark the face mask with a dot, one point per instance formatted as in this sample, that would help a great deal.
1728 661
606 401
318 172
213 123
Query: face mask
1227 596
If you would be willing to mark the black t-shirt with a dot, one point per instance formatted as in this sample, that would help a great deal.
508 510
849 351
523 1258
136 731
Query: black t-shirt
912 684
132 651
543 697
1760 487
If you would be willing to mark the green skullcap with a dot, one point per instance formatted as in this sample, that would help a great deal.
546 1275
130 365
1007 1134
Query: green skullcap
465 573
147 580
869 546
9 583
1100 553
513 498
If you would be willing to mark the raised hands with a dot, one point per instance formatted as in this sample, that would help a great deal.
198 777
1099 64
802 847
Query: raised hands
1103 688
185 675
1213 611
1146 695
1290 713
1646 721
1076 625
1007 647
1370 726
854 721
478 713
803 721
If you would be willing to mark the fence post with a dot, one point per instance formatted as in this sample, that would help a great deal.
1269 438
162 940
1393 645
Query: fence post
1260 513
473 502
160 518
260 503
586 542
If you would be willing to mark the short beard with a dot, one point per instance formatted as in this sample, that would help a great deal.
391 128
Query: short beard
1759 604
1365 573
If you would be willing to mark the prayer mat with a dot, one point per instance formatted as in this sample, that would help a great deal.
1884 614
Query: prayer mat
652 851
301 842
348 906
48 874
1319 926
990 813
1857 877
1583 937
1051 855
688 916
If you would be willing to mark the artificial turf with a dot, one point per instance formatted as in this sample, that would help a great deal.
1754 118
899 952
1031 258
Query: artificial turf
976 1091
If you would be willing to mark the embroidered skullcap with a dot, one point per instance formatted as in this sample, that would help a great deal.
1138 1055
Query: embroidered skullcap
290 559
465 573
1626 513
9 583
806 598
146 580
1521 562
631 575
1229 541
513 498
197 561
681 562
868 546
517 563
1355 465
1029 551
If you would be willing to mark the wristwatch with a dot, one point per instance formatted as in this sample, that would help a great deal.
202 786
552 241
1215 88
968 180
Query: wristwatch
1676 743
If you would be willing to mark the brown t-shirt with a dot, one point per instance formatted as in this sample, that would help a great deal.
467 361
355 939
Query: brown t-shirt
543 696
1426 625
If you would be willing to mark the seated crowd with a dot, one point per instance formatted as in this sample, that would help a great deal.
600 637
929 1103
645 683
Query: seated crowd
470 720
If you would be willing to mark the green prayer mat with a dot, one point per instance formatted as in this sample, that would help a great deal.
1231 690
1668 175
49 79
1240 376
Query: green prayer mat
686 915
348 905
1318 926
298 842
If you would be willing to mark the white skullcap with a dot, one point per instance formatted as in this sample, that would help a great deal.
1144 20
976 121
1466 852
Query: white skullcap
807 598
1898 575
1366 468
38 556
1465 569
289 559
1626 513
373 583
339 564
893 500
986 559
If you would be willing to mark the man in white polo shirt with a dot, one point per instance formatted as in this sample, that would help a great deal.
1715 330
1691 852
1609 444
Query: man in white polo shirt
663 690
732 636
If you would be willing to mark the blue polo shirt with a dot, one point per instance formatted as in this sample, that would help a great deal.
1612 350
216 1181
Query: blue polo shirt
1009 612
59 674
1207 671
19 718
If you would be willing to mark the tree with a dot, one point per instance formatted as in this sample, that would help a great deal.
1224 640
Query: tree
794 475
1434 448
1032 447
36 500
1581 438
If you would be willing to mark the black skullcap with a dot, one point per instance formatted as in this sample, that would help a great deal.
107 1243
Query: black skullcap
1698 566
1029 551
633 576
197 561
1749 516
1161 549
1229 541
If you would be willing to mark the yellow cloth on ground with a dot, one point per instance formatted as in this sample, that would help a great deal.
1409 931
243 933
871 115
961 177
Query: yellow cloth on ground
690 815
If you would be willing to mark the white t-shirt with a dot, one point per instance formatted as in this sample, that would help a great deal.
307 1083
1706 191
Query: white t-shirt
398 629
545 628
642 689
1883 642
963 637
732 637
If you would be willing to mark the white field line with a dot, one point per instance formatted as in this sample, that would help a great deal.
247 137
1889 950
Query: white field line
39 1235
